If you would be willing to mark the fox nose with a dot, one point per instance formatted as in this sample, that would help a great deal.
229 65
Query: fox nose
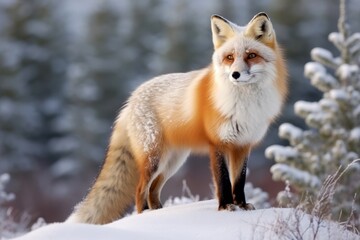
235 75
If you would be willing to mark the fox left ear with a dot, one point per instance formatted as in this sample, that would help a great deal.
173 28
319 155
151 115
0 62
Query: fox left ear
260 28
221 30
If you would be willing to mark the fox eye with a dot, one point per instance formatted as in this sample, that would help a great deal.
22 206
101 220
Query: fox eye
252 55
230 57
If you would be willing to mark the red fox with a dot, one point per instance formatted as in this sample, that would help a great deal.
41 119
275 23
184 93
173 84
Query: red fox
224 110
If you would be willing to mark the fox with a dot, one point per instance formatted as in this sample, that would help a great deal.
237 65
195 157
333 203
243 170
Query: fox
223 110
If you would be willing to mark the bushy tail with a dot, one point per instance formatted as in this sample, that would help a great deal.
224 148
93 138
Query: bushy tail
115 187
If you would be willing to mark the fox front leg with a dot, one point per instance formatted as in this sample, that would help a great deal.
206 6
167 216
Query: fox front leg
221 180
238 189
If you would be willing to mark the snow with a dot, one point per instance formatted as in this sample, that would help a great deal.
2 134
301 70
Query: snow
304 108
321 52
38 28
281 153
339 95
355 134
7 109
312 68
66 166
329 105
324 56
290 132
199 220
337 39
4 196
345 71
354 43
317 72
285 172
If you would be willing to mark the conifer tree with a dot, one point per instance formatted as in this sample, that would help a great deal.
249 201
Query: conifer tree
333 137
94 90
31 71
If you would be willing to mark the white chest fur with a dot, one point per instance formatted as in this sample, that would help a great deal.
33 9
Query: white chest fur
248 110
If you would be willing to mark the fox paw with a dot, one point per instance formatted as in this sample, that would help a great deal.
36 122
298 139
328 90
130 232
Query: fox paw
247 206
229 207
154 206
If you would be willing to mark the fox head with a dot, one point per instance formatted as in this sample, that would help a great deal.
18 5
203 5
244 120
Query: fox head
244 54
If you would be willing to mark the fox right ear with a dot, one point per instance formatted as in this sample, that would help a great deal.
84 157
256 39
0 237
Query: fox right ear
221 30
261 29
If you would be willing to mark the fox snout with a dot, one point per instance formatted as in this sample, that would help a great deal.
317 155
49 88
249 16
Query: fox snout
243 77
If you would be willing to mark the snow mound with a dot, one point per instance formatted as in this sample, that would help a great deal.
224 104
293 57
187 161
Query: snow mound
199 220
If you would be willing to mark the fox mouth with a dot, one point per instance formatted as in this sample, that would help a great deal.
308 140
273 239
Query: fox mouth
245 78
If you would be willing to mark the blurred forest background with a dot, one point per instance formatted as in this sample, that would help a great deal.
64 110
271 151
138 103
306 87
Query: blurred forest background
67 67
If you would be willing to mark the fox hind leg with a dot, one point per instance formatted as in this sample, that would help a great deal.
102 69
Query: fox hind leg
141 203
168 166
147 175
153 200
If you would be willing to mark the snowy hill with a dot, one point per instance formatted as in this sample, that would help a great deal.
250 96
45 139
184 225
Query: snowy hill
200 220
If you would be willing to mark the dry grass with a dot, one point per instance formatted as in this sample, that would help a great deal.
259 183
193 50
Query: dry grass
305 224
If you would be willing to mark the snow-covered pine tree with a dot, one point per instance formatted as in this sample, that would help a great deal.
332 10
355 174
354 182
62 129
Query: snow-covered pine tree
107 61
94 89
18 114
333 137
31 66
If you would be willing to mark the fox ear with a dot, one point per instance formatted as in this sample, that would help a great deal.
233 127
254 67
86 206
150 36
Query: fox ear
221 30
260 28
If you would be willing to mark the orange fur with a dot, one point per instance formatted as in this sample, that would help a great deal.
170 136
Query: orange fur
198 131
282 74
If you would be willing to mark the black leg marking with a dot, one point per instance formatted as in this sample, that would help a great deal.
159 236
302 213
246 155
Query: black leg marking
223 182
145 206
239 186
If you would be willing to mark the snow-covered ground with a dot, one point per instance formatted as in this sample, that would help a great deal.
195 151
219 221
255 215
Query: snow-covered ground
200 220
